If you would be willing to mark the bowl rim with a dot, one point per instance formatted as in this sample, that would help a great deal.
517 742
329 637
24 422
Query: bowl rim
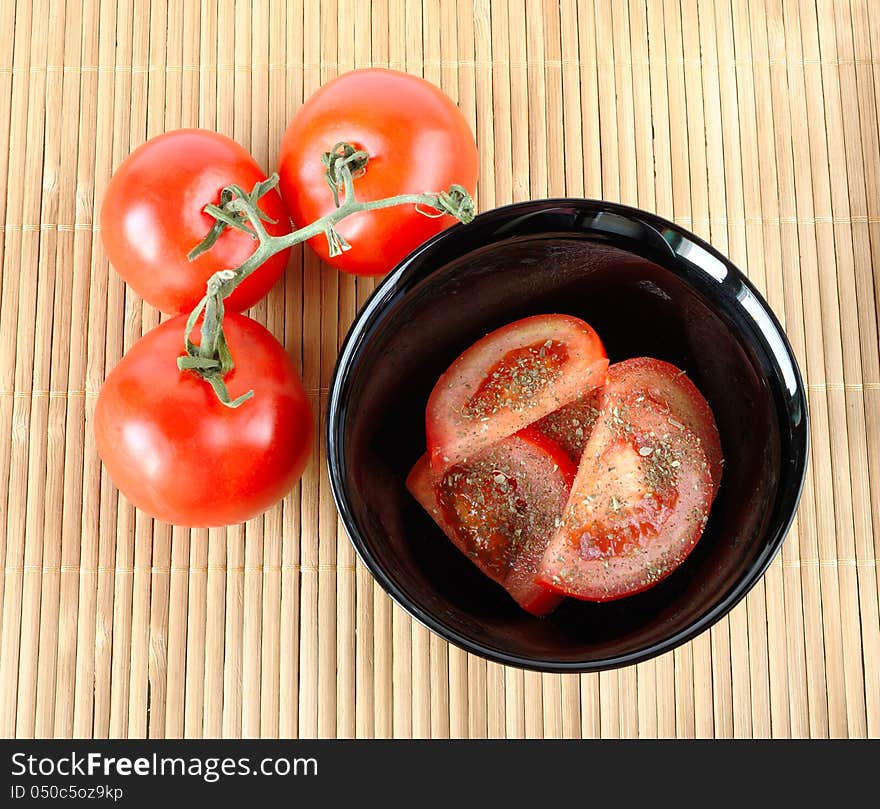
370 314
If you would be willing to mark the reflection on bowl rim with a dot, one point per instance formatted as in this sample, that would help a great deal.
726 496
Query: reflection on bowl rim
608 217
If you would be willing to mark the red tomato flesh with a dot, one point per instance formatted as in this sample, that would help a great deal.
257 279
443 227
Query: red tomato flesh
638 504
677 397
510 378
500 509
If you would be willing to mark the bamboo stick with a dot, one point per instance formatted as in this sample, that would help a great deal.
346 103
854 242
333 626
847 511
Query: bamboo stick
41 309
196 613
176 631
233 630
15 108
214 641
868 321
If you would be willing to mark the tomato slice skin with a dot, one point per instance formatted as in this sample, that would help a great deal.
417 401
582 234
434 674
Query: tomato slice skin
510 378
637 508
500 510
673 391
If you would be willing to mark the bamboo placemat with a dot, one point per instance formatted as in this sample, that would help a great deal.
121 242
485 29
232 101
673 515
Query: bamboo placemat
753 123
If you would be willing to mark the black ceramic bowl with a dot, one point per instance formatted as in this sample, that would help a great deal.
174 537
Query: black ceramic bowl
648 288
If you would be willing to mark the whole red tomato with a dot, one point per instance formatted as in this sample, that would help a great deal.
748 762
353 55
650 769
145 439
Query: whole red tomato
418 142
152 216
180 455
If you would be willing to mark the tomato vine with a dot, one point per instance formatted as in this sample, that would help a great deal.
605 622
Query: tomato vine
239 209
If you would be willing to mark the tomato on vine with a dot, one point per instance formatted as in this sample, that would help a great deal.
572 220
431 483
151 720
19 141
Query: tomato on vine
180 454
417 139
204 422
153 214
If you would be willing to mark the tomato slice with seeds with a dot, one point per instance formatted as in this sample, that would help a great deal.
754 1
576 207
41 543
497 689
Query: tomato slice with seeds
572 424
679 398
638 504
501 508
510 378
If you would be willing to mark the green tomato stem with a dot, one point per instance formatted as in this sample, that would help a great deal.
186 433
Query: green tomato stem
240 210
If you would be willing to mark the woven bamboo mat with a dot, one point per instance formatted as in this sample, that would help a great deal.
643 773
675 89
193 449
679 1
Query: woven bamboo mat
753 123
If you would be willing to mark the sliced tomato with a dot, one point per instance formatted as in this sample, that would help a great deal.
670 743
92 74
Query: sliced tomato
670 388
501 508
572 424
637 507
510 378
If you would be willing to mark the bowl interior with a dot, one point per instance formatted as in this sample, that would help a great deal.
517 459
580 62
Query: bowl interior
643 297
